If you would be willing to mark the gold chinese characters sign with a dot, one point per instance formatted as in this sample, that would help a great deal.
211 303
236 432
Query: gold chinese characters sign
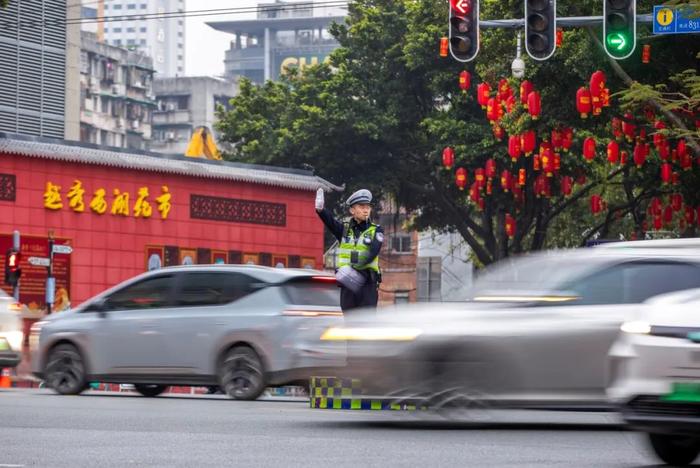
118 205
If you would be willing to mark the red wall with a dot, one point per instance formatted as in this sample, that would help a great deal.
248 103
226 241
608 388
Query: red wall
109 248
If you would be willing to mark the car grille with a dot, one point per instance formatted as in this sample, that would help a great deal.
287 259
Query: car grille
652 406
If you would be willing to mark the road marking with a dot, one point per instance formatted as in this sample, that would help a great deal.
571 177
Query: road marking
6 465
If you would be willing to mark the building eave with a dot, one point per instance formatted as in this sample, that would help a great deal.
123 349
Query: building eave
60 150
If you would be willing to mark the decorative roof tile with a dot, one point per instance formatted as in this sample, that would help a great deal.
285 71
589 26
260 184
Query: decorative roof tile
168 164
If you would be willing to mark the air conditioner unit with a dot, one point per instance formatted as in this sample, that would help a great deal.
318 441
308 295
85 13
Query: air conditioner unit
170 135
115 89
120 122
135 124
171 106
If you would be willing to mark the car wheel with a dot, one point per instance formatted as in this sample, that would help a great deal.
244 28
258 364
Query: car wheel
65 370
241 374
674 449
150 390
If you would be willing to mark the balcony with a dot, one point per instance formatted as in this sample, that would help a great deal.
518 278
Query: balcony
172 117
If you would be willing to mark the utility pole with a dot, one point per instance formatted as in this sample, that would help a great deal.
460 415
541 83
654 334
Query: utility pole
50 280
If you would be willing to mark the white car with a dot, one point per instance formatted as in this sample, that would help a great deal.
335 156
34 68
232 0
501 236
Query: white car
655 375
11 335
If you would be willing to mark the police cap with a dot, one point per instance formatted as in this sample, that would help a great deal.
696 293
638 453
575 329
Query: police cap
361 196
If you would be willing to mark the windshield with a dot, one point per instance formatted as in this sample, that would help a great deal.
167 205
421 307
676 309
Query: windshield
536 274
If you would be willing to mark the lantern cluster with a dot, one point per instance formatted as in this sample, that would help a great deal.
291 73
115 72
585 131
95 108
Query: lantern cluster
591 100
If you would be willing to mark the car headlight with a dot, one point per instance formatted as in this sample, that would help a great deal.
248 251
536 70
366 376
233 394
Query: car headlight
639 328
36 327
14 338
370 334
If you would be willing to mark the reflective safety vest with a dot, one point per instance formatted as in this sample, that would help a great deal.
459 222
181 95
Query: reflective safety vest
350 244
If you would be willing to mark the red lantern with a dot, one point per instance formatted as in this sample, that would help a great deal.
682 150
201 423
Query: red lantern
597 83
525 89
547 160
664 151
581 178
479 178
489 186
444 46
510 226
597 105
676 201
613 152
560 37
483 91
474 194
681 148
686 162
567 139
533 105
448 157
492 110
527 142
668 215
522 174
566 185
504 91
556 140
490 169
514 149
583 102
498 132
659 138
589 149
624 155
617 128
628 128
506 180
674 155
689 214
596 204
465 80
536 163
666 173
675 178
605 97
557 162
518 194
646 53
461 178
639 154
510 104
658 222
655 206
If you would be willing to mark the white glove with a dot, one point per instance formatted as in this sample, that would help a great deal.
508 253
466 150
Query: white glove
320 202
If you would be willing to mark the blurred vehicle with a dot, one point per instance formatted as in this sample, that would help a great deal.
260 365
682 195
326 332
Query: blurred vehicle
535 333
11 334
236 326
655 370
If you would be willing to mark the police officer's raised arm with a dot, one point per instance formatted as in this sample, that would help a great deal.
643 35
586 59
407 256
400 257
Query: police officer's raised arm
333 225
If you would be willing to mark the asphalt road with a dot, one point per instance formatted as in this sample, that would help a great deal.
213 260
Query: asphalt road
38 428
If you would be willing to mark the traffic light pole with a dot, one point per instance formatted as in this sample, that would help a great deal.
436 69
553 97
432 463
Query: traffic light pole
570 22
49 279
16 246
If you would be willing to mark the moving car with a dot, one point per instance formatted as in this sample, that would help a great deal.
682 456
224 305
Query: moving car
655 375
237 326
535 333
11 334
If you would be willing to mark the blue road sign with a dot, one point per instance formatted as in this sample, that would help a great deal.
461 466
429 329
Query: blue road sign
674 21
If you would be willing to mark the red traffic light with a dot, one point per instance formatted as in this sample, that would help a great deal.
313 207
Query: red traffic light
463 7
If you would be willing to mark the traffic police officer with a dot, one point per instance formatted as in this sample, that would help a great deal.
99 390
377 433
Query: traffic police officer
359 243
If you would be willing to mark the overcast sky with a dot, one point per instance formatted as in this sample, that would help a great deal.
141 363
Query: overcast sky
205 47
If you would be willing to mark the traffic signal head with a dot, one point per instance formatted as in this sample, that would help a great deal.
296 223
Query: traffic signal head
12 269
464 29
540 28
619 27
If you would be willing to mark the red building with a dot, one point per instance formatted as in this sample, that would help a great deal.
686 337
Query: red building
125 212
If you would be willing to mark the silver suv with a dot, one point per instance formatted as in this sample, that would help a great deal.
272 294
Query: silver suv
240 327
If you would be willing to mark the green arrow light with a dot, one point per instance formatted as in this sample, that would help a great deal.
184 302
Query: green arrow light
617 41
